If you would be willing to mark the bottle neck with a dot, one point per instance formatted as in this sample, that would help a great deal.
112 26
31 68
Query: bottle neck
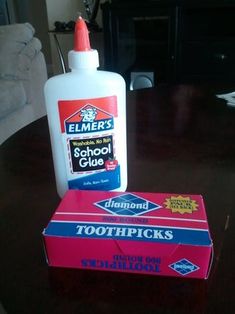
83 60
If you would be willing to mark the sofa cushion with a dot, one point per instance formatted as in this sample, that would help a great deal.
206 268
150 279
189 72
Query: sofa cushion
26 56
12 96
17 46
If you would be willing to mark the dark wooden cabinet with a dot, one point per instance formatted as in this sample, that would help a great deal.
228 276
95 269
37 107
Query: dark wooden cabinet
206 42
182 41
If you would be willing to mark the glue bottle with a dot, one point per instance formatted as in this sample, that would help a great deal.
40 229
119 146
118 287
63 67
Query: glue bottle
86 111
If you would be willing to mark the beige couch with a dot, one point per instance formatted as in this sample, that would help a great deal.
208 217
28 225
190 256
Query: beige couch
22 77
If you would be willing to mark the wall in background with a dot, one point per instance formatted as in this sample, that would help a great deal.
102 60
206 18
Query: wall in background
65 11
34 12
42 15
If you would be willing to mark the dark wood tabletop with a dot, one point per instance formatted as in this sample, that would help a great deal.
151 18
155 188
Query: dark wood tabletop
181 139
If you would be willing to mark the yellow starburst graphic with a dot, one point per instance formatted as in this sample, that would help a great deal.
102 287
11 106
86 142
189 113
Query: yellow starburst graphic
180 204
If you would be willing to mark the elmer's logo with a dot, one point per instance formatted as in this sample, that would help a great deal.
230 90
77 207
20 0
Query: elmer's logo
127 204
89 119
180 204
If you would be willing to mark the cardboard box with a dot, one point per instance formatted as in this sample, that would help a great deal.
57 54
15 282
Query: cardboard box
147 233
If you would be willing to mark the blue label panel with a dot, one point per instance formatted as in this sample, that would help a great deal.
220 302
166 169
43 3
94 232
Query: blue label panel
127 204
88 127
105 180
128 232
184 267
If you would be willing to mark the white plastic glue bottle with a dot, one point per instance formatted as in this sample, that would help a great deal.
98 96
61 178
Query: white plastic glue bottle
86 111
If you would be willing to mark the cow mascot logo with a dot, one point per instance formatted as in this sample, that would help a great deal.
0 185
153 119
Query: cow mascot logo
88 114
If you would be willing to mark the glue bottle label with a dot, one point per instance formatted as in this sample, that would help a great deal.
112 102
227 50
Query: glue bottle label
88 135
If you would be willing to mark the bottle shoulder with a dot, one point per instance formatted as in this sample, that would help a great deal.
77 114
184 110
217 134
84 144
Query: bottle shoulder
80 78
85 74
56 79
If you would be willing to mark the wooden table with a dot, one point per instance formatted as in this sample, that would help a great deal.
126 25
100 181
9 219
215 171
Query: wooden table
181 139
